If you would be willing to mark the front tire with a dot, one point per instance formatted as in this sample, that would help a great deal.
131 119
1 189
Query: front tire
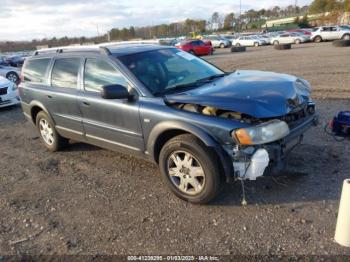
297 41
190 169
222 45
276 42
48 134
256 44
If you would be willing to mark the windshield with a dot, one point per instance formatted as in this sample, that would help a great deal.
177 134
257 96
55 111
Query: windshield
169 70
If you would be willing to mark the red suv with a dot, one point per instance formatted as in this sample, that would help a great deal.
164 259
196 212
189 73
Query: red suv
196 47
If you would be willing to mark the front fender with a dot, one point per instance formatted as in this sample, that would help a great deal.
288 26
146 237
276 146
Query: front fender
163 127
208 140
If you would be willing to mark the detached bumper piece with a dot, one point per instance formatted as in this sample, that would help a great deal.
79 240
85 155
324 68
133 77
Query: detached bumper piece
246 168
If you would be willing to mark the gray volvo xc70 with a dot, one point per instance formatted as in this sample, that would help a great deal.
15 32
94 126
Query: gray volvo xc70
201 125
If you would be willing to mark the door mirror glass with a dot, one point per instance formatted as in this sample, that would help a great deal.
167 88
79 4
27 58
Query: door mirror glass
115 92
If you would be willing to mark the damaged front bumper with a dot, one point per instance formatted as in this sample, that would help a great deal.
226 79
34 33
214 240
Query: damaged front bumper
250 162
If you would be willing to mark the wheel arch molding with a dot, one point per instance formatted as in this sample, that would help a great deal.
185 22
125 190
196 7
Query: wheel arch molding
164 131
35 108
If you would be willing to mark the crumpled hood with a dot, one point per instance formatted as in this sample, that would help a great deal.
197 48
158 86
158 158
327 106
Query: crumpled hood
255 93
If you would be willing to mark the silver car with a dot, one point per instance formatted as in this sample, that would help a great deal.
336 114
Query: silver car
289 38
8 93
329 33
11 73
218 41
248 41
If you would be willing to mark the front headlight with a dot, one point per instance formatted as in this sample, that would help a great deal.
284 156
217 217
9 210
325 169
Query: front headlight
261 134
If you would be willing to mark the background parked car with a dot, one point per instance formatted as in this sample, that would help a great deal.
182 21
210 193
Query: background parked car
289 38
218 41
208 43
15 61
8 93
11 73
259 37
302 31
329 33
195 47
248 41
3 61
266 38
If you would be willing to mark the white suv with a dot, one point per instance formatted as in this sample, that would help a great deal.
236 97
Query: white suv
329 33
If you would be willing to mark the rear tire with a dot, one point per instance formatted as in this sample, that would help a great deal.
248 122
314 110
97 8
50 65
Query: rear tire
256 44
190 169
346 37
318 39
236 49
341 43
222 45
283 46
192 52
48 134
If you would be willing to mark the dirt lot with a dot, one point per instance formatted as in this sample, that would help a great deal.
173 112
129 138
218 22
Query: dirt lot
88 200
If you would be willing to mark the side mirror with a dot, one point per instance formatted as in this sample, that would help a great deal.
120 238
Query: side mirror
115 92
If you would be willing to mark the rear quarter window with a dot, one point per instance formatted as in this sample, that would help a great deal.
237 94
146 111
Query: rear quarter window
35 70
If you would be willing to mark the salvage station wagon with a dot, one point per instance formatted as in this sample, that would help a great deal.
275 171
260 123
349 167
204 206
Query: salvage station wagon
201 125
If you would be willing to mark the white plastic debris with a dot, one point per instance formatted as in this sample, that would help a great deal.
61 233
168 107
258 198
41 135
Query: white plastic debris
342 232
255 168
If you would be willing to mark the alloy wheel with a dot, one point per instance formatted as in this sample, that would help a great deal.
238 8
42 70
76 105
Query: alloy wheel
186 173
46 132
12 77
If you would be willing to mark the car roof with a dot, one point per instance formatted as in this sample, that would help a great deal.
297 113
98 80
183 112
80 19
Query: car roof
114 49
128 49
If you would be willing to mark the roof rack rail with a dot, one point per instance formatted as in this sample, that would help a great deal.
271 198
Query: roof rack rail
101 49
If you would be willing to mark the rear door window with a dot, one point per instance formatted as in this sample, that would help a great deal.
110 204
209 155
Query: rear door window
65 72
98 73
35 70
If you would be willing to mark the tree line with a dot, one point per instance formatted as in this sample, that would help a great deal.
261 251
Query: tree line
232 21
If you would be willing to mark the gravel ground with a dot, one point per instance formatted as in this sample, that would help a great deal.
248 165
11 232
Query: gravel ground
87 200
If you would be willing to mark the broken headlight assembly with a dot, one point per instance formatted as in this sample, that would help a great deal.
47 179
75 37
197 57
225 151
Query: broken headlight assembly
261 134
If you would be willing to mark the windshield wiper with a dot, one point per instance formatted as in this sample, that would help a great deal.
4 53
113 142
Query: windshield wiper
211 78
177 88
197 83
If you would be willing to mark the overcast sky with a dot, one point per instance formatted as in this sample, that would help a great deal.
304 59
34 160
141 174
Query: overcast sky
36 19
